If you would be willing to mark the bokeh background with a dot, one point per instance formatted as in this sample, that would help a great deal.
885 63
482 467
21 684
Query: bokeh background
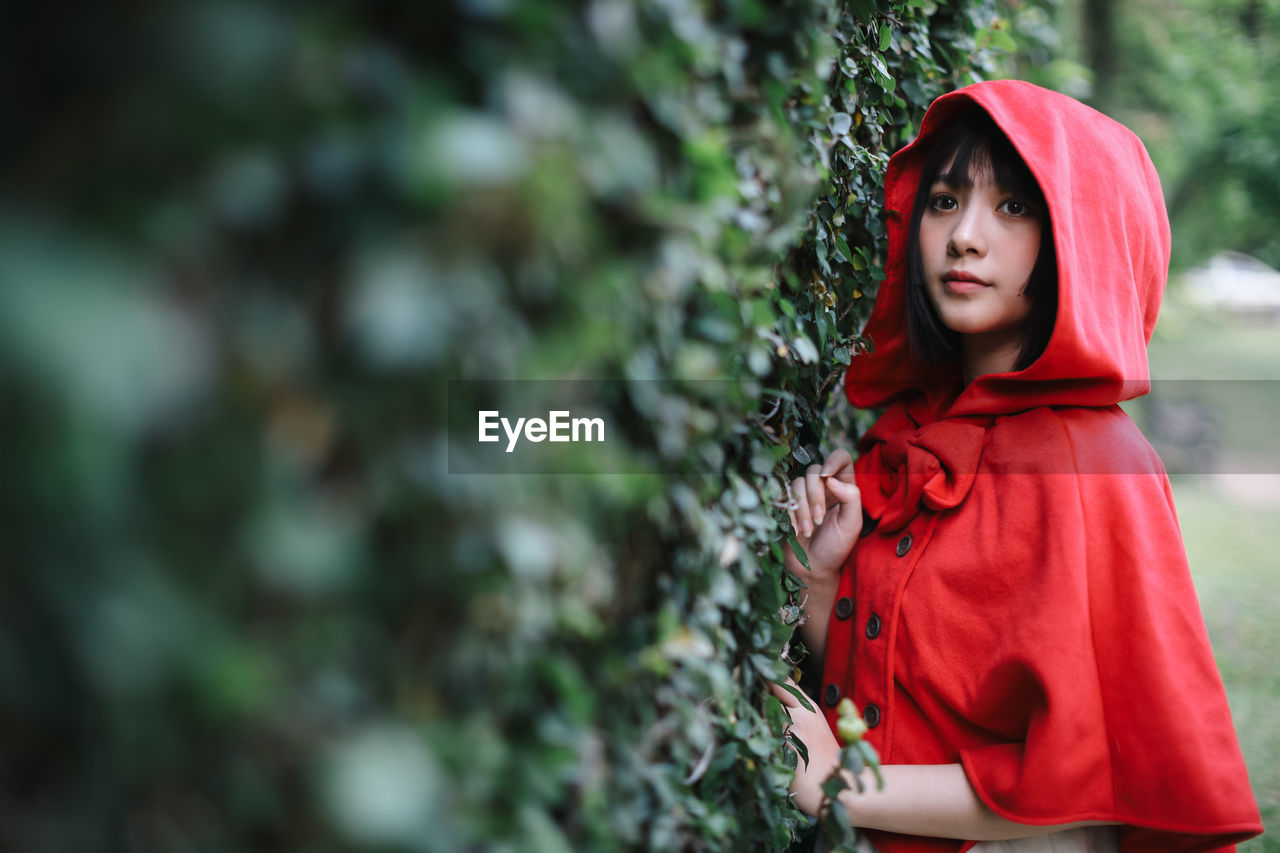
243 247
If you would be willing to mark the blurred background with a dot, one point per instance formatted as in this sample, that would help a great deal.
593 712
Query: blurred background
231 572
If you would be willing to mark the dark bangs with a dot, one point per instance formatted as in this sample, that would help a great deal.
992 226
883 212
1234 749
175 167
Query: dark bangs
971 146
976 147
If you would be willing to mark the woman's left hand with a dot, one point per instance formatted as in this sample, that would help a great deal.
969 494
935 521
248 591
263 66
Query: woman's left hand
824 751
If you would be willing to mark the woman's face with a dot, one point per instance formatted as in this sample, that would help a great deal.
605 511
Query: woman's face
978 246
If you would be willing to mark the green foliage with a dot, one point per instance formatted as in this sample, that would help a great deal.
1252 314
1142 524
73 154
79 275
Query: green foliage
1200 84
246 246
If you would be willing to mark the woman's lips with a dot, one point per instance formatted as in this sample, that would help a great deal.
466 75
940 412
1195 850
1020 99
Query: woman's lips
962 282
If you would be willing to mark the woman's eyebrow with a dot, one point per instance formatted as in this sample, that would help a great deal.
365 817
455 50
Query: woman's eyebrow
955 180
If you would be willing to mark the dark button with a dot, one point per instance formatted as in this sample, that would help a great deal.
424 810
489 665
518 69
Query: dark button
844 607
868 524
873 627
904 545
871 714
831 695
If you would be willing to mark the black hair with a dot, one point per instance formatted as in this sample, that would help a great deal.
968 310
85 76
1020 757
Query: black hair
970 144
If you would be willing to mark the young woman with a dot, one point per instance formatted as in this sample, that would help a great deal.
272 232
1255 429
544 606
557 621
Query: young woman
999 582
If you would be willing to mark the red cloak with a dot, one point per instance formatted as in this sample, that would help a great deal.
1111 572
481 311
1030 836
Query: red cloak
1020 600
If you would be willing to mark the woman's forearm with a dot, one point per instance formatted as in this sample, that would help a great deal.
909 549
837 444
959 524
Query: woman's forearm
818 600
934 800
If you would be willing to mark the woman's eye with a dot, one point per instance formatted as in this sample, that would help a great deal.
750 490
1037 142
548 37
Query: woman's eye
1014 207
942 201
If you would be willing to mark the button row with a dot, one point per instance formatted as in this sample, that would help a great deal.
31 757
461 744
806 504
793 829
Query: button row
844 610
870 714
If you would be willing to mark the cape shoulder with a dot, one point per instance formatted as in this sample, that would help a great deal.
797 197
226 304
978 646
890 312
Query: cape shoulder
1069 440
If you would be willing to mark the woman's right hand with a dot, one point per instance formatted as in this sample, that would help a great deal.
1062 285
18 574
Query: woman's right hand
826 514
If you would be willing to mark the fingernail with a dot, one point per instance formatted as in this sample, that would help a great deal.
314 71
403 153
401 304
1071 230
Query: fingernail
808 528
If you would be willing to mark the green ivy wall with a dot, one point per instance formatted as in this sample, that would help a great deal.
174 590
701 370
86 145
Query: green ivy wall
244 247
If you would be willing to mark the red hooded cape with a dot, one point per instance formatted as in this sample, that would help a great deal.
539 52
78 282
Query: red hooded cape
1020 600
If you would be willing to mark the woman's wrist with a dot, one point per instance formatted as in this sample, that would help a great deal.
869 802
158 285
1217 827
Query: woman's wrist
817 601
820 592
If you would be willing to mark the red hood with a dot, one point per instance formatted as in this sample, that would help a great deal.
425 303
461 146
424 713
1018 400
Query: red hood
1111 234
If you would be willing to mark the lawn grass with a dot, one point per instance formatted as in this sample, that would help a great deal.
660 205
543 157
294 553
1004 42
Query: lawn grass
1231 546
1230 525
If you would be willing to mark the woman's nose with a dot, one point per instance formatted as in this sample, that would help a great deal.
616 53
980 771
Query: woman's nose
968 237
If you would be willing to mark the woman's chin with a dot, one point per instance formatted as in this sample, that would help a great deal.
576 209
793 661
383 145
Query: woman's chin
965 325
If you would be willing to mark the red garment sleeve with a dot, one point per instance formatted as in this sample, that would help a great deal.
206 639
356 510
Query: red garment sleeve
1127 717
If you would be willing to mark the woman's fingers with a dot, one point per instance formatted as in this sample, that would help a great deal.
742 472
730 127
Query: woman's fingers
850 514
801 519
821 748
837 461
810 494
816 493
845 493
791 514
793 508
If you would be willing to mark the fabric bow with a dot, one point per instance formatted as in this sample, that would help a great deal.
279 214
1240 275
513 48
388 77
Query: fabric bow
905 465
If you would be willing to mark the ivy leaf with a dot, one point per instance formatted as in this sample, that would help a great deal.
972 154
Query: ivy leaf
872 759
798 551
862 10
837 829
1001 40
843 246
851 759
834 784
805 349
801 749
799 694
